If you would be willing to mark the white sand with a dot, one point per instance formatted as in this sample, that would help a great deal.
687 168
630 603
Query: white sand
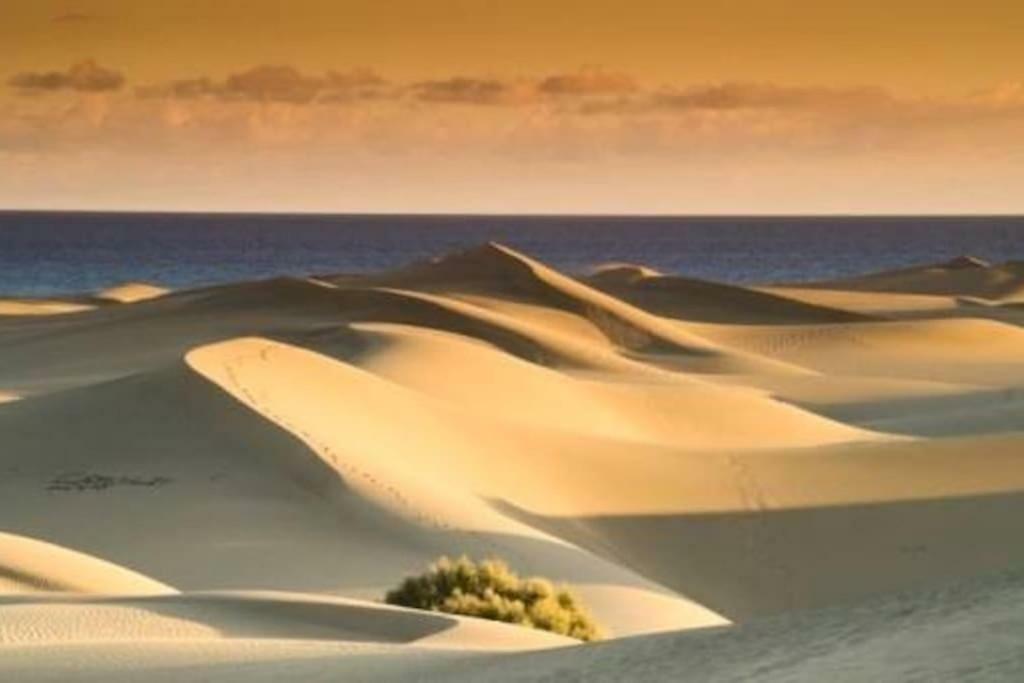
222 483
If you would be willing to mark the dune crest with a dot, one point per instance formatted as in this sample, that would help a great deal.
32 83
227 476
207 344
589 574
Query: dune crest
131 292
622 272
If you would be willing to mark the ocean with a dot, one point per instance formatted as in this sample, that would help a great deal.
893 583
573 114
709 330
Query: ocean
44 253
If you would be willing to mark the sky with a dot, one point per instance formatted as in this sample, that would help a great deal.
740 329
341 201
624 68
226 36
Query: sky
482 106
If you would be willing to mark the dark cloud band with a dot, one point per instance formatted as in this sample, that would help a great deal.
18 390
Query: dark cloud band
85 76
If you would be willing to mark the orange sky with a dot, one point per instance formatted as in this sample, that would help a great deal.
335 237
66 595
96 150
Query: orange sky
742 106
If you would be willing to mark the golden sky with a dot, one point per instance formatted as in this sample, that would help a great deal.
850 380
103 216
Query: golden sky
734 106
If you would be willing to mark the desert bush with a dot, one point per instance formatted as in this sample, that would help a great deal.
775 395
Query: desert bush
490 590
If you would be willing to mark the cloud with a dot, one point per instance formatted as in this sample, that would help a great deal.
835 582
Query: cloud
186 88
584 84
85 76
463 90
359 77
354 85
287 84
271 83
738 95
588 81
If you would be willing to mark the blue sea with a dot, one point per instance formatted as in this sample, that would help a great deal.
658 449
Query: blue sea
52 253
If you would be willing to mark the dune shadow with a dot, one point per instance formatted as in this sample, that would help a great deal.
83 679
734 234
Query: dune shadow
902 415
748 564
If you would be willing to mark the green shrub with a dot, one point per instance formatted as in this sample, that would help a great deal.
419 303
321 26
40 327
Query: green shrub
490 590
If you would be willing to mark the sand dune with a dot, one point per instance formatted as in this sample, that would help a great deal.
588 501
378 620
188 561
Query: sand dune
221 483
495 276
966 631
128 292
965 276
962 632
65 619
873 304
964 288
664 409
31 566
172 451
702 301
58 352
27 307
963 351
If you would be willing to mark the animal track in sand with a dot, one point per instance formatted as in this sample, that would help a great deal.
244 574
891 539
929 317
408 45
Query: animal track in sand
759 534
259 401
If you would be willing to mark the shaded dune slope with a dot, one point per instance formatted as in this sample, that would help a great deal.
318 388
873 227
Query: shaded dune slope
494 274
964 631
964 276
704 301
53 352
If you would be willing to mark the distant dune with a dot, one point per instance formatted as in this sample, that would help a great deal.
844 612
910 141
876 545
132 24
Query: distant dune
130 292
965 276
809 481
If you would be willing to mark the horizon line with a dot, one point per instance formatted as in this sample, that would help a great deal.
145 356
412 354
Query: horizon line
461 214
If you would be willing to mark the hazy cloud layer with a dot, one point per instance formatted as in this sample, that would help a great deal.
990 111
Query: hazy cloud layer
585 83
85 76
588 136
735 96
464 90
274 83
588 82
743 109
283 83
